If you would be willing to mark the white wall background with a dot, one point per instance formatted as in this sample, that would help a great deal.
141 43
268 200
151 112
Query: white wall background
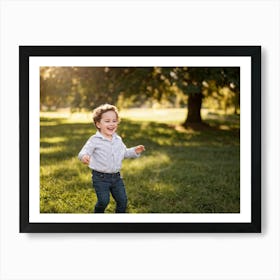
139 256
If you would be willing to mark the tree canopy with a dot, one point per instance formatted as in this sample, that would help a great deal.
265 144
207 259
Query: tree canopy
88 87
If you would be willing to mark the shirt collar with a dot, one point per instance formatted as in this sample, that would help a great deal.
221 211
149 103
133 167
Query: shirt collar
99 135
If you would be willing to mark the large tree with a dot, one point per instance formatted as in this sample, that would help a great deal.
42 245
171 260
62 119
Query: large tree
194 82
86 87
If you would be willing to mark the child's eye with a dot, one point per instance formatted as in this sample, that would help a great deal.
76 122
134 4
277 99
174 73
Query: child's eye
107 121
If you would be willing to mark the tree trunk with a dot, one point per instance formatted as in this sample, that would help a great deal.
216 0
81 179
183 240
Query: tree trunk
194 108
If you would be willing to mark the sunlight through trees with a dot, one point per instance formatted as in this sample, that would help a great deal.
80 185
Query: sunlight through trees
83 88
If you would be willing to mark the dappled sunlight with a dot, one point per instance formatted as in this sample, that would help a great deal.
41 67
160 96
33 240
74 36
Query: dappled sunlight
156 162
224 127
189 131
53 140
63 172
160 187
65 167
51 150
171 115
65 117
80 118
48 123
161 134
164 135
181 170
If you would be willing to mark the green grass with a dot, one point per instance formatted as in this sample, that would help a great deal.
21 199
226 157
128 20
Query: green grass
181 171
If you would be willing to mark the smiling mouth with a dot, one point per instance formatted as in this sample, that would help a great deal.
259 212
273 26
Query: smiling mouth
111 129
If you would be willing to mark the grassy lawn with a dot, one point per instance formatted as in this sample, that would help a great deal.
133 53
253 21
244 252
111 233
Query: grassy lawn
181 171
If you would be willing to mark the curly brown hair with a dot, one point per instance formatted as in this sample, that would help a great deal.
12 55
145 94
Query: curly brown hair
99 111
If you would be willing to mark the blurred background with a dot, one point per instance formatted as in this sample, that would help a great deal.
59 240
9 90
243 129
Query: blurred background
79 88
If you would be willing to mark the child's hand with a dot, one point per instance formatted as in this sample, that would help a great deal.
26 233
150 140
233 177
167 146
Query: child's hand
86 159
139 149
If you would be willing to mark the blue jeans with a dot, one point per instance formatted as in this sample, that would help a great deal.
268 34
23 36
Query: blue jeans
104 184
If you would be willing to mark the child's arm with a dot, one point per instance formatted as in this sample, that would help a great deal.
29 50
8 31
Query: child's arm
133 152
86 151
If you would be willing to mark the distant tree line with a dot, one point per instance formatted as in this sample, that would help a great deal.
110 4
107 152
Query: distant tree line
88 87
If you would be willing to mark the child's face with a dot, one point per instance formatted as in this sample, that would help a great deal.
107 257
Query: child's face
108 124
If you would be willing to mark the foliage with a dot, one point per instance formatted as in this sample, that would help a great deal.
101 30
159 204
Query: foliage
75 87
87 87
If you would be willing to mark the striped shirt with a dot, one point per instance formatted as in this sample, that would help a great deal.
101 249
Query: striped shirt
106 156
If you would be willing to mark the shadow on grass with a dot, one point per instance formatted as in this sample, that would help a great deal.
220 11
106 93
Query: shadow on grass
181 171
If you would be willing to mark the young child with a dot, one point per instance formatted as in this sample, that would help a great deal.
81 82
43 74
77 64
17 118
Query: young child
103 153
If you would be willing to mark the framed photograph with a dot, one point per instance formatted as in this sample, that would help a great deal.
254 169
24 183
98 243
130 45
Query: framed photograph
140 139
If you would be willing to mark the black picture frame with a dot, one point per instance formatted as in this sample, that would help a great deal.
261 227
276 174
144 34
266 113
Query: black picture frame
252 52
